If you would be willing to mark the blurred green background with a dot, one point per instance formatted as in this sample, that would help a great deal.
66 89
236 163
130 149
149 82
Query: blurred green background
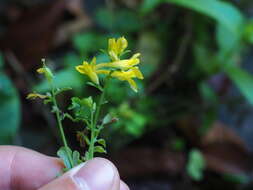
190 125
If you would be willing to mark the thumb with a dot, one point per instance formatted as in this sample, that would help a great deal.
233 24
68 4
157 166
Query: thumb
96 174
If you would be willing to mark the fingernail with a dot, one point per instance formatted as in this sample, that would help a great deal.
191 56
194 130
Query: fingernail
96 174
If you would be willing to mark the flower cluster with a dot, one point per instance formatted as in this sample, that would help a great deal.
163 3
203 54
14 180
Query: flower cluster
122 69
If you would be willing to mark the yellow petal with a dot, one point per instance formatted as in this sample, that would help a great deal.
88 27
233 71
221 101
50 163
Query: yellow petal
41 70
93 61
136 55
111 44
93 76
83 68
36 95
121 44
137 73
106 72
133 85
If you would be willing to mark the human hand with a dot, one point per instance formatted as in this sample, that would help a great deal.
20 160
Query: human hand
21 168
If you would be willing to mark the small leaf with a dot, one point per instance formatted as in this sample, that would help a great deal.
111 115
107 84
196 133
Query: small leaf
76 158
94 107
99 149
196 165
63 155
54 109
86 155
88 101
102 142
107 119
96 132
86 140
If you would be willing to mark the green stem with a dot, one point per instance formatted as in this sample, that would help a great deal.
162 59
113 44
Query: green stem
101 100
57 112
92 141
94 120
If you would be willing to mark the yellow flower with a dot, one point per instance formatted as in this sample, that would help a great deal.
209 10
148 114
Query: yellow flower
47 72
128 76
123 64
35 95
116 47
91 70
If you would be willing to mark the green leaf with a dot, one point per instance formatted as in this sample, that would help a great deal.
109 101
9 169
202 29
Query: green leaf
224 13
99 149
107 119
196 165
86 140
82 107
63 155
243 80
227 43
102 142
76 158
88 101
10 113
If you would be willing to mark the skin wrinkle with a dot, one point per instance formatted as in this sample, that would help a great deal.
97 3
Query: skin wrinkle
11 170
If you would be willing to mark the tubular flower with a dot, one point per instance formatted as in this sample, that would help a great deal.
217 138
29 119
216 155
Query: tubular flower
123 64
128 76
91 70
47 72
35 95
116 47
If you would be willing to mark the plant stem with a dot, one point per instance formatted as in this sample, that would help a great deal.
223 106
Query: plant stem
57 112
94 120
101 100
92 140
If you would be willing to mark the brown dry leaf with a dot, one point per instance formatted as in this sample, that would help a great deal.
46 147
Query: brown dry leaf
224 151
219 133
137 162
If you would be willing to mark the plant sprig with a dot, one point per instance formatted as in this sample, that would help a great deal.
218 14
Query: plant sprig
86 110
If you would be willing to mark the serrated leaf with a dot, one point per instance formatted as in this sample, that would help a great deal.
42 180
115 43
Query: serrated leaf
102 142
63 155
99 149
